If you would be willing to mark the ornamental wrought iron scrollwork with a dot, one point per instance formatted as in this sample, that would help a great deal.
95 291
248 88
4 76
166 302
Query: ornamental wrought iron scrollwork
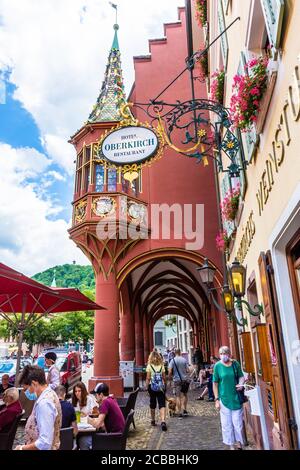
205 138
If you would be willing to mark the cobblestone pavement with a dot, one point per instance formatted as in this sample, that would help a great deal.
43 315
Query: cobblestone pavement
200 430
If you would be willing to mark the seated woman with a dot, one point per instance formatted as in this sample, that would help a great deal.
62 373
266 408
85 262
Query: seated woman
83 402
11 409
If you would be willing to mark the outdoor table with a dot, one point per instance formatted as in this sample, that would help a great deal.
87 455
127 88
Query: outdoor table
85 428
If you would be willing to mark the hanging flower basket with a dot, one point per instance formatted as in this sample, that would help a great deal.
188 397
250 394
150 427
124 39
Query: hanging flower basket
223 241
230 204
201 12
248 91
217 86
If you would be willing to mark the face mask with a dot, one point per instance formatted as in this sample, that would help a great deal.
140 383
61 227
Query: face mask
31 396
224 357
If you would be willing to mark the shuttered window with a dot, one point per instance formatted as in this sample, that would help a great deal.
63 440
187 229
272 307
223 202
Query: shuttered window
273 12
225 187
250 138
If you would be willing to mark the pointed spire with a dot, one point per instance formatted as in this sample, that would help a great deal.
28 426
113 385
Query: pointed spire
112 94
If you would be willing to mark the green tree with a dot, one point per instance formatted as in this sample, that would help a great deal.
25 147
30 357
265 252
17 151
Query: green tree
74 326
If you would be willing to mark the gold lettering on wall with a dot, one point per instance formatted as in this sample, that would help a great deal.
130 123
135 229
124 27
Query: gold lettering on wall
294 95
247 238
282 139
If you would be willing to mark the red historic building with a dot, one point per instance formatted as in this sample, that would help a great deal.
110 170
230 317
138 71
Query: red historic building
141 280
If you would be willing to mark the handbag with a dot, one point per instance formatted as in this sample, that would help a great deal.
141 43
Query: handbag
184 384
241 393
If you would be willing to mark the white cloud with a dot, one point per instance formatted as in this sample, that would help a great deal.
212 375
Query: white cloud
57 51
29 240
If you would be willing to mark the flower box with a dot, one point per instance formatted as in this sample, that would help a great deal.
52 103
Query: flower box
247 93
266 100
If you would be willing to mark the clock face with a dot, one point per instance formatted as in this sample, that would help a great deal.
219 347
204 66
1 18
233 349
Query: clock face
104 206
137 212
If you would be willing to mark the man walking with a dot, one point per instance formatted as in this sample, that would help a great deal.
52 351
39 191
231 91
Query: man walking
178 369
53 377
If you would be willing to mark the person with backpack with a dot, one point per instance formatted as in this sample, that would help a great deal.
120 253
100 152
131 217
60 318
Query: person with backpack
156 385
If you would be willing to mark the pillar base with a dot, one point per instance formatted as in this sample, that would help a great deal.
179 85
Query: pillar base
115 384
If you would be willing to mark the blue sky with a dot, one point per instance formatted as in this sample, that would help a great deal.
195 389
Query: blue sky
51 72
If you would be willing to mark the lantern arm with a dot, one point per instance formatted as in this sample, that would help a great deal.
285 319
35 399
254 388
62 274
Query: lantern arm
231 315
216 304
256 311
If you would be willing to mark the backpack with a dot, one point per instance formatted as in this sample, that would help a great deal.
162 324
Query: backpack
157 384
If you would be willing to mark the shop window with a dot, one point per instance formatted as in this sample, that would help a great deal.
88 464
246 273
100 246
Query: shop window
99 178
271 401
293 257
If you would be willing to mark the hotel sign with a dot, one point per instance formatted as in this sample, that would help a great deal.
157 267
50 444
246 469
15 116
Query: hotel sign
129 145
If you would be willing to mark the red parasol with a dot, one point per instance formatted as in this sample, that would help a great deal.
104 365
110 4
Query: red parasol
21 294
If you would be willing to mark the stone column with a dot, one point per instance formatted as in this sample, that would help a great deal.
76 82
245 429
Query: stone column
106 336
139 339
146 339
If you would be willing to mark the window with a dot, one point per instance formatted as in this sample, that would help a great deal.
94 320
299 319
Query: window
158 338
87 154
99 178
111 179
225 187
86 178
78 182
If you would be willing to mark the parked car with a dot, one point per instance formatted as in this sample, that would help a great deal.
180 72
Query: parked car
69 365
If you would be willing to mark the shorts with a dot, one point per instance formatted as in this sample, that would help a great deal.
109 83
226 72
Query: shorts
158 397
177 389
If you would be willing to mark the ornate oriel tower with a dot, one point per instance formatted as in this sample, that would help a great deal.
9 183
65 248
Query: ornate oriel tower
98 198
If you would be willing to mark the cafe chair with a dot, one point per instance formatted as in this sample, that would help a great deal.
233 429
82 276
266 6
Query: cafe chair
113 441
129 405
66 439
7 438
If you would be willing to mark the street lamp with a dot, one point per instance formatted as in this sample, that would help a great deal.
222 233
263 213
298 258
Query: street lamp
232 296
207 273
228 299
237 279
237 276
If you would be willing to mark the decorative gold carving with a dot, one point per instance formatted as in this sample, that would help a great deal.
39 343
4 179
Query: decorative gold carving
80 211
137 213
131 171
104 206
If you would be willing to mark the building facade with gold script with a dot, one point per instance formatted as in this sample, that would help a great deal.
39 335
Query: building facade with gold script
265 233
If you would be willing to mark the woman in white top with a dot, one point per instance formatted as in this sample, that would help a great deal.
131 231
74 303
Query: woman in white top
84 402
